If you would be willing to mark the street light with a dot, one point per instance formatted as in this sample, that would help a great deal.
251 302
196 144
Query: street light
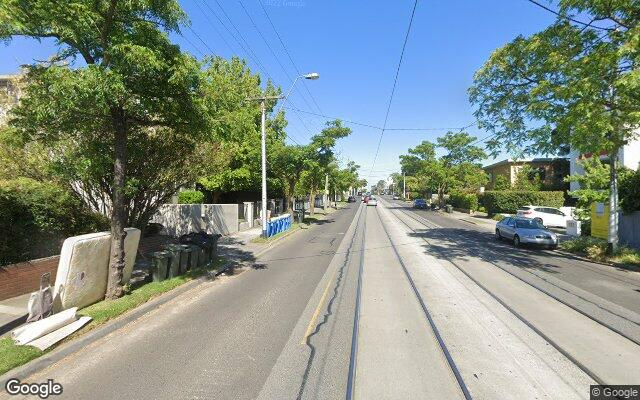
263 99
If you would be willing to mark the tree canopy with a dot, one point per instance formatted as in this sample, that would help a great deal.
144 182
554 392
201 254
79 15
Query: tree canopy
456 169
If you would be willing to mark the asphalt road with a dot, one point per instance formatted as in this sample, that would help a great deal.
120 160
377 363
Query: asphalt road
217 342
608 294
361 305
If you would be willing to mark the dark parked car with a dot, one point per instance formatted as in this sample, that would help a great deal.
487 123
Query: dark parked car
351 199
420 203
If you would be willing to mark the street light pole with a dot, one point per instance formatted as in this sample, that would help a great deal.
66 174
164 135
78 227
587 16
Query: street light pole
404 186
263 217
263 108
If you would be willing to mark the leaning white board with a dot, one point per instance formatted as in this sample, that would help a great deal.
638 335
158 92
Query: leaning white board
48 340
130 250
38 329
82 273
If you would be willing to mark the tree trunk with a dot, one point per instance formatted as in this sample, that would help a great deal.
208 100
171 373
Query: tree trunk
118 217
290 196
325 195
312 202
612 243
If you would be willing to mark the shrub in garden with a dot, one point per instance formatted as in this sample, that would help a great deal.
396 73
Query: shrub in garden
508 201
190 197
36 217
468 201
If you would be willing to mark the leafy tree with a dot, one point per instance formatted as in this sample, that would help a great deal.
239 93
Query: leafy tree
594 184
630 191
343 179
236 165
398 181
320 156
527 179
190 197
136 88
501 183
455 170
567 86
288 165
381 185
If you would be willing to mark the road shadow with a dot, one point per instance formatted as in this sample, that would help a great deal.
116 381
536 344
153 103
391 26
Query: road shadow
232 249
466 244
316 221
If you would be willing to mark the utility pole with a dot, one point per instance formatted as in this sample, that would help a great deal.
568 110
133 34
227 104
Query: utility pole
325 198
263 107
263 128
404 186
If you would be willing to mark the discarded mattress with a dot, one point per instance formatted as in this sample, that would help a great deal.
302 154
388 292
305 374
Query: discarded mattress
49 331
81 279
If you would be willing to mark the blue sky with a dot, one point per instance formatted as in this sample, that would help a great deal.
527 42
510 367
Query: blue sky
355 47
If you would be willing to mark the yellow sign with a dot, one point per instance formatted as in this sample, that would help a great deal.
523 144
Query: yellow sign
600 220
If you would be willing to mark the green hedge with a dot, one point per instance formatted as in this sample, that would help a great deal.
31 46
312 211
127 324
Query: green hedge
629 192
36 217
508 201
190 197
464 200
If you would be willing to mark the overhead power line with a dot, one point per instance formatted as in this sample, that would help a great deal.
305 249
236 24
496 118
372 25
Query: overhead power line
288 54
192 45
246 48
202 41
369 125
567 17
266 42
213 25
395 82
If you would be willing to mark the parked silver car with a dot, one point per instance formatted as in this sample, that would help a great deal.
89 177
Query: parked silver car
525 230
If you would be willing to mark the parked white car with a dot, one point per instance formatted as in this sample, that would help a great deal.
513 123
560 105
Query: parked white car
548 216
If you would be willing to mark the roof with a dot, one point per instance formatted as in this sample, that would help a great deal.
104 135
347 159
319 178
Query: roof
525 160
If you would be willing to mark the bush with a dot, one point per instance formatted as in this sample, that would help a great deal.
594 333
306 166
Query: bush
464 200
508 201
190 197
498 217
36 217
629 192
596 249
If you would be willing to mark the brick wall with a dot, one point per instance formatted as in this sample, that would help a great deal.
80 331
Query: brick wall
24 277
21 278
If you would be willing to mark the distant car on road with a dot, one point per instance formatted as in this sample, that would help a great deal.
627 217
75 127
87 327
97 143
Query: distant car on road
420 203
396 197
523 230
548 216
351 199
372 201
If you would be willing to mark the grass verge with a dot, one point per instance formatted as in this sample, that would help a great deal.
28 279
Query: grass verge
596 249
12 355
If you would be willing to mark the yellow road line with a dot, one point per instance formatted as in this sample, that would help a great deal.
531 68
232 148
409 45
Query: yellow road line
314 317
